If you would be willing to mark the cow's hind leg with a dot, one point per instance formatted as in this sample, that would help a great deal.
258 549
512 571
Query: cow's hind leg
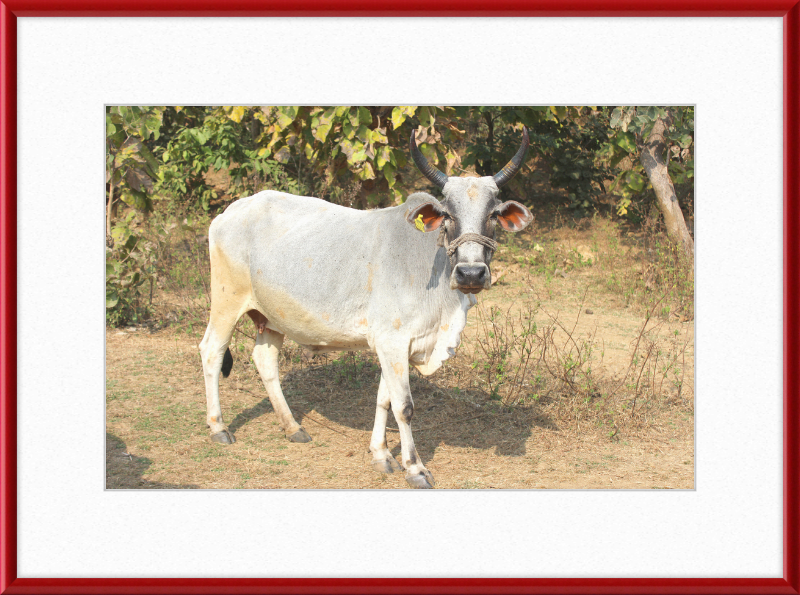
213 349
265 356
394 373
382 459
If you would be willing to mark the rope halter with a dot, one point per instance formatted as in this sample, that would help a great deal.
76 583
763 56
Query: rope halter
463 239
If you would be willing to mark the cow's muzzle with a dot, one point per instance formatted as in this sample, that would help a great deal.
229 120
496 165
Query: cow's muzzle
471 278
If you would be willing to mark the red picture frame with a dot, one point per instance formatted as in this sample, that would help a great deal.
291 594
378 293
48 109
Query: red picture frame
789 10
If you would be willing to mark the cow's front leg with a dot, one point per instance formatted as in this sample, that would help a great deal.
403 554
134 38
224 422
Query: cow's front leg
382 459
394 373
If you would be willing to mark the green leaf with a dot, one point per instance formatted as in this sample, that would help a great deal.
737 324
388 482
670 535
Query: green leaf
389 174
366 173
153 125
635 181
685 141
321 132
398 158
364 116
358 157
424 116
112 298
364 134
132 198
383 157
430 153
618 156
199 135
286 115
560 111
616 116
626 141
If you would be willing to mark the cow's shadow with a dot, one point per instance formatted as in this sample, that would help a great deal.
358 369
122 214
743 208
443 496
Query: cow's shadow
442 416
125 471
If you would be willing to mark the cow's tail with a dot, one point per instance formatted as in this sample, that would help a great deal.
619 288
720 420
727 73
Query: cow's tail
227 363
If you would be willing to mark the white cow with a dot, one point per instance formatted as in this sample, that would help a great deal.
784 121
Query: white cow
334 278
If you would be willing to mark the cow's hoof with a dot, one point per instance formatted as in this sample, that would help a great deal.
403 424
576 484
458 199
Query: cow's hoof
223 437
388 465
300 436
422 480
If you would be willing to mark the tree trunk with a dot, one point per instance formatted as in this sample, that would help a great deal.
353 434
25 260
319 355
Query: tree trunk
652 159
110 205
109 239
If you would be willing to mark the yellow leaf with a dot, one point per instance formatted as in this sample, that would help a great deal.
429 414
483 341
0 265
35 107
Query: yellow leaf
237 113
400 113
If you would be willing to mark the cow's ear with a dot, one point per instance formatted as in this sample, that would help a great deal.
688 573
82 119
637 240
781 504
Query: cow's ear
426 217
513 216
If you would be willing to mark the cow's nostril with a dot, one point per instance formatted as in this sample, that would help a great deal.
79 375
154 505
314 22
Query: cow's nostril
471 275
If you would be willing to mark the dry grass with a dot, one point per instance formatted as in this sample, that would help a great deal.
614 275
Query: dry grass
562 381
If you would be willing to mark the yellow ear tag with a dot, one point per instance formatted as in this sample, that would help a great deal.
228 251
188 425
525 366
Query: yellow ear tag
418 222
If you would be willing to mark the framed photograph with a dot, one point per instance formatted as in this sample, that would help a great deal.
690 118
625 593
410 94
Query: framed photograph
69 527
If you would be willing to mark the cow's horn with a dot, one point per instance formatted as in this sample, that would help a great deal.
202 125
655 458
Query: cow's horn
433 174
512 167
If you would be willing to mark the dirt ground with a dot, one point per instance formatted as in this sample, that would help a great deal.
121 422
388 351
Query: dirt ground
155 403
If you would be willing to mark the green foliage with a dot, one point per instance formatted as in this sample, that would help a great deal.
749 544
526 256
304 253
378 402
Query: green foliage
566 138
333 149
494 133
574 157
207 140
357 155
130 164
196 160
131 270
